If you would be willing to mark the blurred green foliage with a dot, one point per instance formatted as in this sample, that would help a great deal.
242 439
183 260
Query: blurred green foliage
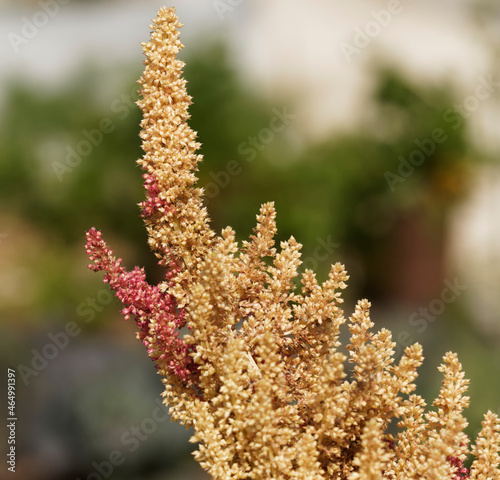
45 184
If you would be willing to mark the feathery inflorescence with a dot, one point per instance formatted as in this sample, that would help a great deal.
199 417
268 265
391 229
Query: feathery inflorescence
260 376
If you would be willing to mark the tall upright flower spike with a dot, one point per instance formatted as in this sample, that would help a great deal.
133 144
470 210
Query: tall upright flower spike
176 221
260 375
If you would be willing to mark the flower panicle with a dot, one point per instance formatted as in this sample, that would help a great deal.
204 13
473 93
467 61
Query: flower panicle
259 373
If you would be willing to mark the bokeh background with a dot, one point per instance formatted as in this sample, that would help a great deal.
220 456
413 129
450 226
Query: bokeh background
373 125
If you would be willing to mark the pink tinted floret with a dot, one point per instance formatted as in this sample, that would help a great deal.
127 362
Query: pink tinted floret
153 204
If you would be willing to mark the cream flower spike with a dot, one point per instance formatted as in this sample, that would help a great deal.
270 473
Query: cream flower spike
260 376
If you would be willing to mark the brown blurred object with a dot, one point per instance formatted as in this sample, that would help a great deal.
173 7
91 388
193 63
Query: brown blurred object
415 253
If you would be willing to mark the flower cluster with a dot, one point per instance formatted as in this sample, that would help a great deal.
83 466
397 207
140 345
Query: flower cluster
259 372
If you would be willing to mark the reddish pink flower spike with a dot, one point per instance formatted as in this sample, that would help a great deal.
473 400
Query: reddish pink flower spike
155 313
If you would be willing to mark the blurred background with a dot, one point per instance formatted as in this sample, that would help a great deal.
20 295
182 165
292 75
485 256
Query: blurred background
373 125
